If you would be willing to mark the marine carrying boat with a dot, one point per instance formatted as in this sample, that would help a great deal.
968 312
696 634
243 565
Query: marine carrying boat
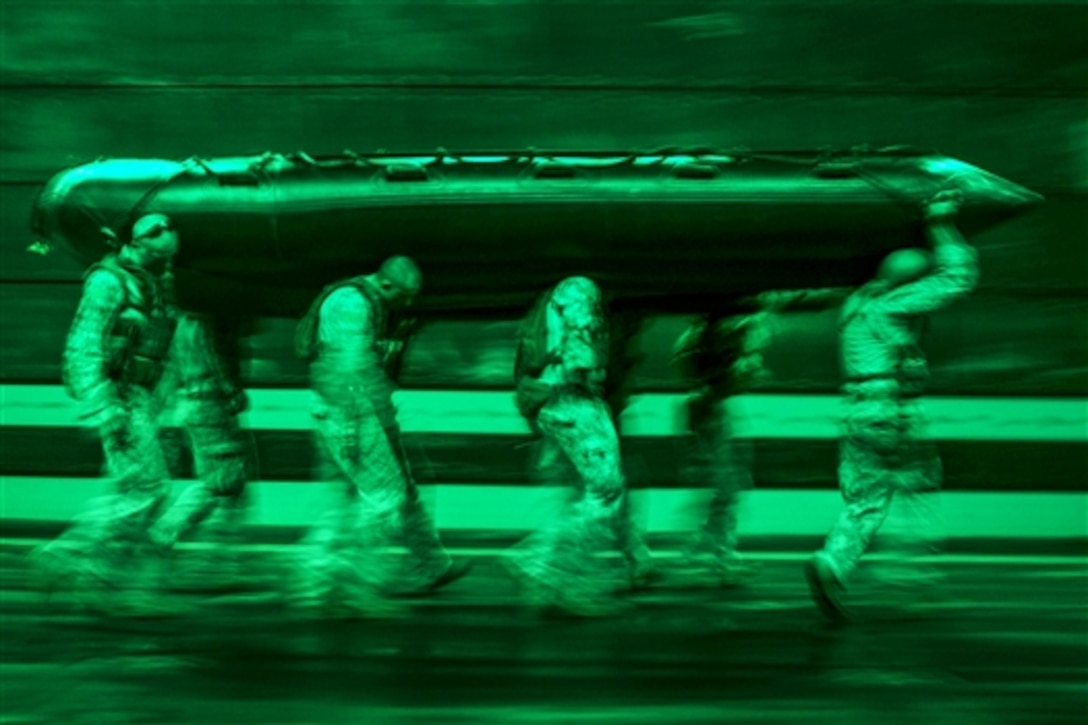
669 230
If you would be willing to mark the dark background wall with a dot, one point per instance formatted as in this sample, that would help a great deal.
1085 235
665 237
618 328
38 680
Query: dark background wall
1002 85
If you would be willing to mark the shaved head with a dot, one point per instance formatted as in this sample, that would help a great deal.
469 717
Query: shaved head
576 289
402 273
905 265
398 281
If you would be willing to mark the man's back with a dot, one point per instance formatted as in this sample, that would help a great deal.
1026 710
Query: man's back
348 363
876 344
881 325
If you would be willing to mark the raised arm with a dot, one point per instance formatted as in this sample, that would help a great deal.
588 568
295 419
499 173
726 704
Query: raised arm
821 298
955 273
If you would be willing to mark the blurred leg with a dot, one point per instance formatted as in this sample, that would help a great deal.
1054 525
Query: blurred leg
563 559
557 468
348 555
867 479
108 545
731 475
220 456
428 560
914 531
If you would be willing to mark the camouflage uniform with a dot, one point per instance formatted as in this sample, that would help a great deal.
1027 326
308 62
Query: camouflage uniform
207 364
359 447
719 358
560 562
556 467
114 358
884 455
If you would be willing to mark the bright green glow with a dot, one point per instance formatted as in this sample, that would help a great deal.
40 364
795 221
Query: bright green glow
944 166
805 417
520 508
418 160
138 168
590 161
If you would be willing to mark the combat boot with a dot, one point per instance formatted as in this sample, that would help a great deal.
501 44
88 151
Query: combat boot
457 569
49 571
552 601
826 589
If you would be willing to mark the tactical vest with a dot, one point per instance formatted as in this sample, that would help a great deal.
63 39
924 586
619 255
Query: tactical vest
532 358
710 356
140 338
307 341
208 357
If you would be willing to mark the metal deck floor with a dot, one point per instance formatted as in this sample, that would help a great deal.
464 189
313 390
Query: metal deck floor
1008 644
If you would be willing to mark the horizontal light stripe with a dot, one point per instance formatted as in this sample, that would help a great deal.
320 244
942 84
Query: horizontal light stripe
1077 563
493 413
506 508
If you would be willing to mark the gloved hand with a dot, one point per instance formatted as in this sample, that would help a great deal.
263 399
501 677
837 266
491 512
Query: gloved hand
405 328
390 349
944 205
391 353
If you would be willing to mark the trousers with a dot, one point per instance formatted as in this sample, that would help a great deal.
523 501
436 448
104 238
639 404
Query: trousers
108 543
565 555
221 454
886 464
724 463
376 507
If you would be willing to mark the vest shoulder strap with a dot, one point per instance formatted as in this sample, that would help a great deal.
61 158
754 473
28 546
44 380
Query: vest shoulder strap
533 355
124 276
306 333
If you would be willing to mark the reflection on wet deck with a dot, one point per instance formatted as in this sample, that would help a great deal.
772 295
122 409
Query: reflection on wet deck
1006 641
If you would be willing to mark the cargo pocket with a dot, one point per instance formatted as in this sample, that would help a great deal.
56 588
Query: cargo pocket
875 425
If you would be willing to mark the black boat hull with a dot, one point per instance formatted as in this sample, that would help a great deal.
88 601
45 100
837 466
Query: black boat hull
676 231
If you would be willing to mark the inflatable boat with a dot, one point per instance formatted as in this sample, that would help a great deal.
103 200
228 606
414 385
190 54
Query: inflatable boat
669 230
